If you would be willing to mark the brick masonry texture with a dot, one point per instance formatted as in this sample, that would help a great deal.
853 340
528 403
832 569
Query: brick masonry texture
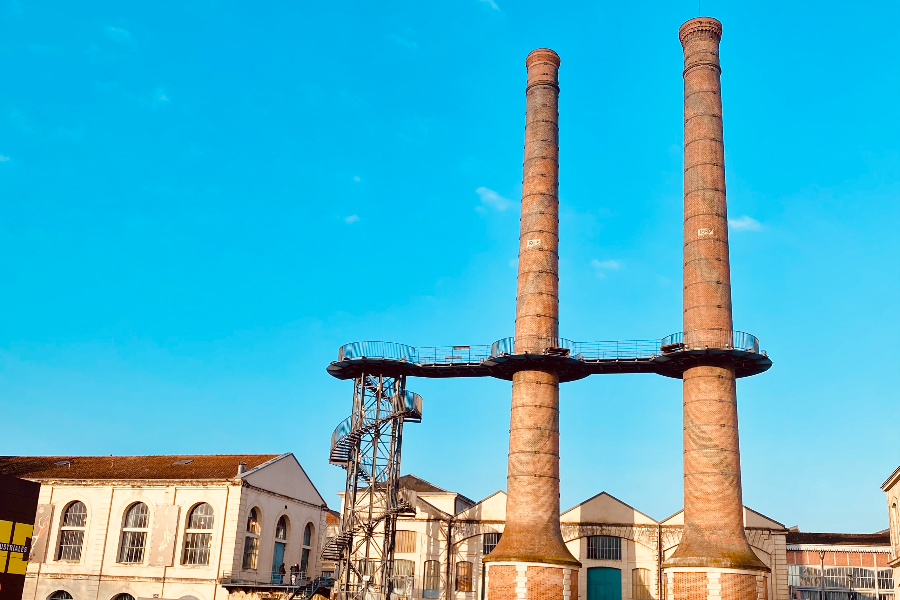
532 532
502 581
713 507
739 587
690 586
545 583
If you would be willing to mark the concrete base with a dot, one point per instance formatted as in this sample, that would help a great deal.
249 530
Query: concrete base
708 583
530 581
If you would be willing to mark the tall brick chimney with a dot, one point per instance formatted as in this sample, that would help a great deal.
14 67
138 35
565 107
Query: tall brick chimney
531 555
713 557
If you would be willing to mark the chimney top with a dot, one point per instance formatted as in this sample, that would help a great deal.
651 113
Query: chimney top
707 26
542 55
242 468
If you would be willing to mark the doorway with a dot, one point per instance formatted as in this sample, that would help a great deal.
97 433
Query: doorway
604 583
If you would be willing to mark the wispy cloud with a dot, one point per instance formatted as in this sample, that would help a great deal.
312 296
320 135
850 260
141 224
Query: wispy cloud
744 223
351 219
356 178
602 267
491 3
117 34
160 97
491 199
404 42
4 158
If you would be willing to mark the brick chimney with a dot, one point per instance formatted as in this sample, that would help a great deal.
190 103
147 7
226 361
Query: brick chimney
531 554
713 553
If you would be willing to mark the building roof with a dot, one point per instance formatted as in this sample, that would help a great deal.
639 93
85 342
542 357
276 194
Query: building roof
167 467
881 538
895 476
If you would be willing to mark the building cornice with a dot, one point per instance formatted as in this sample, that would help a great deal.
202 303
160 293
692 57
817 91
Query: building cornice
890 481
839 548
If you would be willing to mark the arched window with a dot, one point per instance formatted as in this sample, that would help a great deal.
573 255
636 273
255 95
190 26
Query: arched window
431 586
640 584
281 528
123 596
60 595
307 547
464 576
281 534
251 541
604 547
134 533
403 576
895 527
71 532
198 535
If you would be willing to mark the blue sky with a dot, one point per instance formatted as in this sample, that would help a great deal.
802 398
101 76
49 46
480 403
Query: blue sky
202 200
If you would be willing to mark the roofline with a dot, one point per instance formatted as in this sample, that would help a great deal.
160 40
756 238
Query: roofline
431 484
892 479
480 502
447 515
837 547
756 512
614 498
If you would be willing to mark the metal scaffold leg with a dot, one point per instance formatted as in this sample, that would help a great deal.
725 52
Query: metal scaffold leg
368 445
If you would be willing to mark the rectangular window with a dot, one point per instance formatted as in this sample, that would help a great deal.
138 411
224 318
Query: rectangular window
489 542
432 576
464 576
251 551
885 579
196 549
366 566
640 584
405 541
604 547
132 550
70 545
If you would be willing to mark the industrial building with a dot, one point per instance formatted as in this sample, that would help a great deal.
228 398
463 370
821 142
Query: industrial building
187 527
439 549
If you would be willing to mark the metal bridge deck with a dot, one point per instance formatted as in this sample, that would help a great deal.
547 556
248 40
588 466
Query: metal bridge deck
573 360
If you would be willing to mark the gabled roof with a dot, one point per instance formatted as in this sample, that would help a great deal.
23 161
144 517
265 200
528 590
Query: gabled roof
494 505
891 480
606 508
752 518
413 482
165 467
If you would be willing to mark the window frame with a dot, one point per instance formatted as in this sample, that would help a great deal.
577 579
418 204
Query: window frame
133 532
599 547
465 582
641 580
485 543
71 529
189 547
250 559
409 541
431 578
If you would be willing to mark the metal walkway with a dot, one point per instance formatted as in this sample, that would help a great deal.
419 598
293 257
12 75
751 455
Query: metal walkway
669 356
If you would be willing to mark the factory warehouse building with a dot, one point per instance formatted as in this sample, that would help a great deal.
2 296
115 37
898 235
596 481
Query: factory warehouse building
621 549
202 527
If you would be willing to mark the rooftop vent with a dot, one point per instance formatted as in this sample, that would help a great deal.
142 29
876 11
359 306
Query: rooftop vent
242 468
183 461
63 463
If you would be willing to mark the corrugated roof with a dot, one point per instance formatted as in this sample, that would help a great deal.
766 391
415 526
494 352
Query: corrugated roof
176 466
882 538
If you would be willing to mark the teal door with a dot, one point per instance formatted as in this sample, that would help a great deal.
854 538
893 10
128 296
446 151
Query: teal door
277 561
604 584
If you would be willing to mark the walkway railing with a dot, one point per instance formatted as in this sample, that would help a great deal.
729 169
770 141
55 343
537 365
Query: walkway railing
587 351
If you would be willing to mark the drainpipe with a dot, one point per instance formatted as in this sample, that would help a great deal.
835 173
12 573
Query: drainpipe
449 549
659 563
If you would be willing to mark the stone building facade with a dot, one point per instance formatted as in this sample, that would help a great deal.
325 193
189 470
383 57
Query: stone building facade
621 549
891 489
202 527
